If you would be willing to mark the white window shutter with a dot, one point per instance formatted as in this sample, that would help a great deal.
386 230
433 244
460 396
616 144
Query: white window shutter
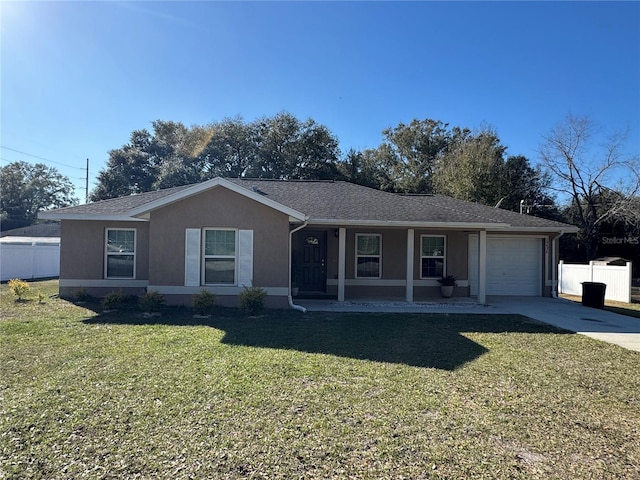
192 257
245 258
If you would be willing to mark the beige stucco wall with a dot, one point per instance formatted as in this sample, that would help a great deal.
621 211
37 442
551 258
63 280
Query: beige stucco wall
394 252
394 247
160 246
457 252
82 248
219 208
82 251
394 258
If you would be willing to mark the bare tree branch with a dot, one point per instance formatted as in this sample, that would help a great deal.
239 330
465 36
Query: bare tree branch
601 182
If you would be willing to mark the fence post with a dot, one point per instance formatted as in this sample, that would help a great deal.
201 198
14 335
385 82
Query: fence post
630 281
560 265
33 260
591 270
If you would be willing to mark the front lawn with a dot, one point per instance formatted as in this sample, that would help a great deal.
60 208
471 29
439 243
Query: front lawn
628 309
85 394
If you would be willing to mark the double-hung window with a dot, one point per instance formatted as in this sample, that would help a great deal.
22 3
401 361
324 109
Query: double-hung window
432 256
120 253
368 255
220 248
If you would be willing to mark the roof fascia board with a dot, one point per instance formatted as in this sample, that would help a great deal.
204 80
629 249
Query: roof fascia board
550 229
213 183
91 216
413 224
499 227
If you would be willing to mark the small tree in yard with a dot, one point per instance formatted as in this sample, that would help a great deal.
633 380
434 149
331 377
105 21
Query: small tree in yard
19 287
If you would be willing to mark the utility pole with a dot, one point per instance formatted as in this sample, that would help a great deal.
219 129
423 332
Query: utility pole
86 184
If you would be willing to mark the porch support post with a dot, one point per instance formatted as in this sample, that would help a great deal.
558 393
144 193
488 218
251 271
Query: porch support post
342 249
410 256
482 267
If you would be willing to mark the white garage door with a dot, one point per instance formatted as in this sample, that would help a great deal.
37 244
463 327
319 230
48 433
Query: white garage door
514 265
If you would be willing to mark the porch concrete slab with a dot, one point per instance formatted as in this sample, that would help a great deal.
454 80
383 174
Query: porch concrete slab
598 324
440 305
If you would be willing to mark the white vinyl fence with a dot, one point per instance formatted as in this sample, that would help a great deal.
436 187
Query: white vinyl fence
26 260
617 279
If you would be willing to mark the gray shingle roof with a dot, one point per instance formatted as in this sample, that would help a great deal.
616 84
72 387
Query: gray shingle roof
116 206
347 201
333 201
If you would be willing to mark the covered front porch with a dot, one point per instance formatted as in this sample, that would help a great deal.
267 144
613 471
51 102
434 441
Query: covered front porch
453 305
347 264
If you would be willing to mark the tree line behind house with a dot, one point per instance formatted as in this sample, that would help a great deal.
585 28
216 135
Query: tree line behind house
597 183
424 156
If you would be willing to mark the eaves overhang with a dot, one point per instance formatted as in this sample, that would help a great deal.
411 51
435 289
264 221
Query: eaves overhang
550 228
493 226
407 224
88 216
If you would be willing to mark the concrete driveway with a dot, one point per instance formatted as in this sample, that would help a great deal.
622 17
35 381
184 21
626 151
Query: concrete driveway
599 324
592 322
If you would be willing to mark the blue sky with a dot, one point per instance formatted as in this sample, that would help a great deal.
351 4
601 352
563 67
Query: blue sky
78 77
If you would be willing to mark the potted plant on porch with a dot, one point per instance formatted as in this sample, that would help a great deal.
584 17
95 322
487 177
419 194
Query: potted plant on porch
447 285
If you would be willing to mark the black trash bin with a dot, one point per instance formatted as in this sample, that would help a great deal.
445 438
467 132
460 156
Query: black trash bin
593 294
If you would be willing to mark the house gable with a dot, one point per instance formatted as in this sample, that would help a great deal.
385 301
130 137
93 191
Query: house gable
137 208
145 210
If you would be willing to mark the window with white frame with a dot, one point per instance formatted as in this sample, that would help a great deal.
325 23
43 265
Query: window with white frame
220 248
432 256
368 255
120 253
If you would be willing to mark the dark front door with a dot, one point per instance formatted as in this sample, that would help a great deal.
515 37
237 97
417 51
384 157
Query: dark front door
313 261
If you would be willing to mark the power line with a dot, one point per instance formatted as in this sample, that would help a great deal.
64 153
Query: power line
40 158
70 178
86 169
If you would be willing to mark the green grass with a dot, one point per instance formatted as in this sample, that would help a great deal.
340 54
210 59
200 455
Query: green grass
628 309
287 395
